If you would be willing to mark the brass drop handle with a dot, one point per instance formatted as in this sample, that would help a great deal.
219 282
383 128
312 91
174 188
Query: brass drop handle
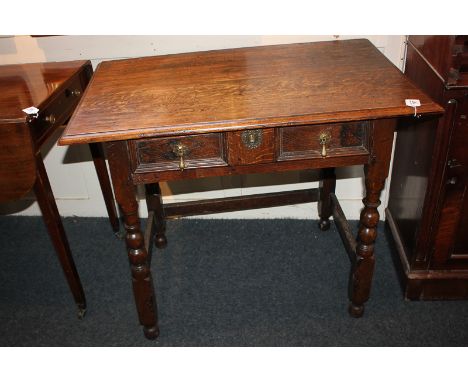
180 150
182 163
324 138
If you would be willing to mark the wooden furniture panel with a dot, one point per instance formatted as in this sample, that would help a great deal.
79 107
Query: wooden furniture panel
248 151
17 165
251 146
33 85
303 142
58 110
178 153
460 248
428 195
247 110
447 56
192 173
450 232
236 89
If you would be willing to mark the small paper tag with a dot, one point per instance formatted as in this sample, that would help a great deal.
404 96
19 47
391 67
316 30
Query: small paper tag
412 102
31 110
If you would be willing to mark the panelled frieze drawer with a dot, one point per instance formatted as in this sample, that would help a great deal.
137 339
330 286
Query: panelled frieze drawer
250 147
322 141
178 153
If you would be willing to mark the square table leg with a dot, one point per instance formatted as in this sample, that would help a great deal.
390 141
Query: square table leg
155 205
99 160
53 222
327 187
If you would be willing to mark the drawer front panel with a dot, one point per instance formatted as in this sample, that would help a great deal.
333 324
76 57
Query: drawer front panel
340 139
178 153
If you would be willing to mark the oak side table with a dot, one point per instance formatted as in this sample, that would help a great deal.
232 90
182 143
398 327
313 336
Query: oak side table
240 111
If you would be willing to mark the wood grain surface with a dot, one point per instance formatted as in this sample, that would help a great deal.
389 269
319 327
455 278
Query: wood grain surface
27 85
41 85
234 89
17 161
302 142
158 154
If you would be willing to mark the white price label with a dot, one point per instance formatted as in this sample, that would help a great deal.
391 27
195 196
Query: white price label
31 110
413 102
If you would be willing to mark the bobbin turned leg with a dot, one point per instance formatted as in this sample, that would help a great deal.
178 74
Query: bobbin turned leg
326 187
376 172
143 289
154 203
363 268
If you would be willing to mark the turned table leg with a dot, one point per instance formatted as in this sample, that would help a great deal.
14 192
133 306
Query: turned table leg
154 203
327 187
376 171
53 222
142 281
363 268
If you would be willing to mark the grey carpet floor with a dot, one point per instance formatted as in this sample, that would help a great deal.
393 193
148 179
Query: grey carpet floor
219 283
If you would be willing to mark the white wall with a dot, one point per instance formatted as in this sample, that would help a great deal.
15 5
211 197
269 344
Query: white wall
71 171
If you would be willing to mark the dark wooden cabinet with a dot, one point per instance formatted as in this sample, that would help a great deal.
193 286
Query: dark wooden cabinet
427 213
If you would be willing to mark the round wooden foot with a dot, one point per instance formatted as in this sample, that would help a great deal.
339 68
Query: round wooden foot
160 241
356 311
151 333
324 225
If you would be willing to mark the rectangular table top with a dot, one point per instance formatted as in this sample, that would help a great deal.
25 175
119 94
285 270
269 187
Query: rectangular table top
25 85
241 88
